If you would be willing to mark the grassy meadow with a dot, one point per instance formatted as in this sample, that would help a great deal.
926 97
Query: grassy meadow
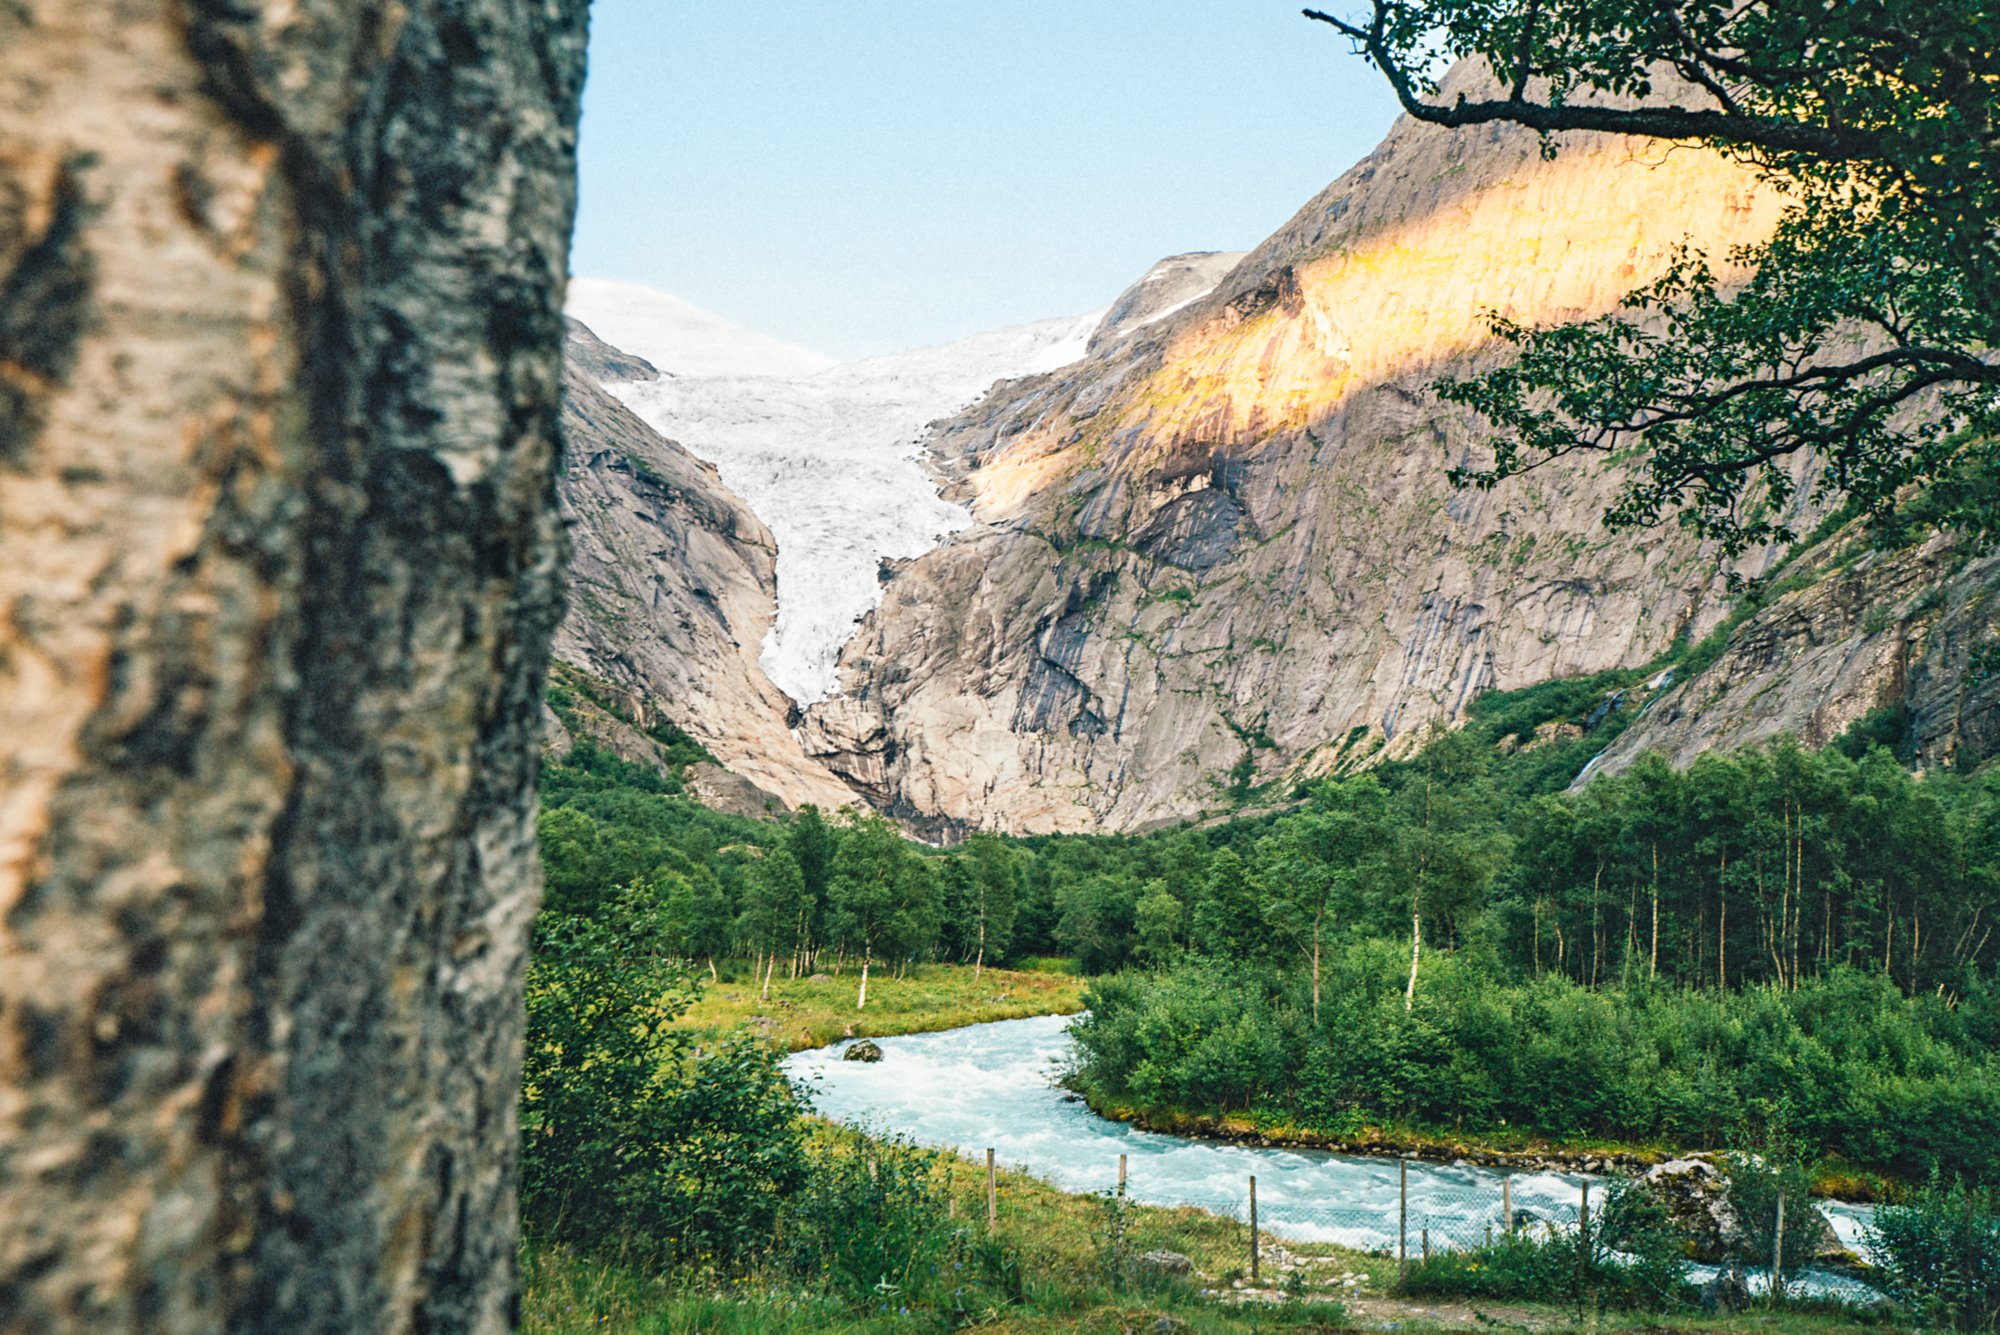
802 1013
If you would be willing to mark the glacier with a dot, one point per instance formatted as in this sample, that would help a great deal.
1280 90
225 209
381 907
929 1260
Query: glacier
829 456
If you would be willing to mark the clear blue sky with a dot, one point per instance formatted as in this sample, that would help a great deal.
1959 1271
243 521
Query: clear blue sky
864 175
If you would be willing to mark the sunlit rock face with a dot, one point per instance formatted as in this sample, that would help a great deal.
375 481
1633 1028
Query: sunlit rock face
1228 534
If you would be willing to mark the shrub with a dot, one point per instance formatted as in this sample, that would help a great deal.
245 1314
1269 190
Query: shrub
1753 1187
631 1138
871 1223
1631 1259
1940 1255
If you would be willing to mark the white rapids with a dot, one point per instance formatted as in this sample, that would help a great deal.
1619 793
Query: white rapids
994 1085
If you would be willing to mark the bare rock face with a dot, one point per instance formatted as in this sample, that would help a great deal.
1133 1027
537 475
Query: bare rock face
1915 630
674 587
1175 282
1227 536
596 361
280 292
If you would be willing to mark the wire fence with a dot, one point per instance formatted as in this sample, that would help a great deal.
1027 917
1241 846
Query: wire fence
1289 1244
1283 1241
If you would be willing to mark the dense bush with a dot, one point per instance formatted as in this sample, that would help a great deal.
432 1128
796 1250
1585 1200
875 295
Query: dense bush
1940 1254
870 1223
641 1144
630 1137
1855 1068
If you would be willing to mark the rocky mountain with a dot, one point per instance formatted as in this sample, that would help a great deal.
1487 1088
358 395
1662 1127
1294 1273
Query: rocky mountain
1914 634
1221 550
673 586
1175 282
1203 546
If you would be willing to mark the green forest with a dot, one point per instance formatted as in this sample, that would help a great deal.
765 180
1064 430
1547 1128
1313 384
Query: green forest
1455 942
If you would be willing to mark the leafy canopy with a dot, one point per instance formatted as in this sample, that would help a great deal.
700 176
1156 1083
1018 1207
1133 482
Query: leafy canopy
1857 358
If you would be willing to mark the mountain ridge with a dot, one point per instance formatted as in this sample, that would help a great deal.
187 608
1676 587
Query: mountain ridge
1226 544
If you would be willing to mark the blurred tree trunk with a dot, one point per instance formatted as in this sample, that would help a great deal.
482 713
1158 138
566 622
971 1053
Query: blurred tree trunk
279 328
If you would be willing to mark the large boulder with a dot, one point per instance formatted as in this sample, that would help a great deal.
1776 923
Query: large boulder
1695 1191
862 1050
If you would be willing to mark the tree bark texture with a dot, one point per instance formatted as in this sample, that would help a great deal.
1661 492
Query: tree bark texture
280 288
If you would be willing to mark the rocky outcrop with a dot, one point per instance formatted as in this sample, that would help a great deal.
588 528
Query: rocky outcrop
1914 631
596 361
280 293
1175 282
673 588
1226 538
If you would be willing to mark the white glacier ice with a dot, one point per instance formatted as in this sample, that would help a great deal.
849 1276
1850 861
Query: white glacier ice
828 457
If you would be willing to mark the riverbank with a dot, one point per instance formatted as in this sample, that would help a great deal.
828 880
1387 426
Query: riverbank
1070 1280
1508 1151
1069 1258
812 1012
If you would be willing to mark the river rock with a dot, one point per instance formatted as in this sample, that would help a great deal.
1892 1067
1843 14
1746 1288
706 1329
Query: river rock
1726 1292
1695 1193
862 1050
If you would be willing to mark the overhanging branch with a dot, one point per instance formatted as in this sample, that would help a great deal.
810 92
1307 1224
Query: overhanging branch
1839 144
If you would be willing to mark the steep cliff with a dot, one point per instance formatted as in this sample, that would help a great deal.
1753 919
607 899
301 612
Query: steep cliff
1912 633
673 585
1222 550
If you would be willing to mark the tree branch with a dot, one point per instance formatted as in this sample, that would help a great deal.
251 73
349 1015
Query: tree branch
1657 122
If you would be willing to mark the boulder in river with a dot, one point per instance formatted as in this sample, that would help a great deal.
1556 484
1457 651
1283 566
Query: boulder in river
862 1050
1695 1191
1726 1292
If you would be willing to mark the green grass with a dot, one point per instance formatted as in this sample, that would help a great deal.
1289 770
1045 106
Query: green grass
805 1014
1060 1240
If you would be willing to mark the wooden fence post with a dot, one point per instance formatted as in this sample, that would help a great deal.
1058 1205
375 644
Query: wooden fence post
1402 1221
1253 1228
1507 1204
1583 1239
992 1193
1778 1251
1121 1177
